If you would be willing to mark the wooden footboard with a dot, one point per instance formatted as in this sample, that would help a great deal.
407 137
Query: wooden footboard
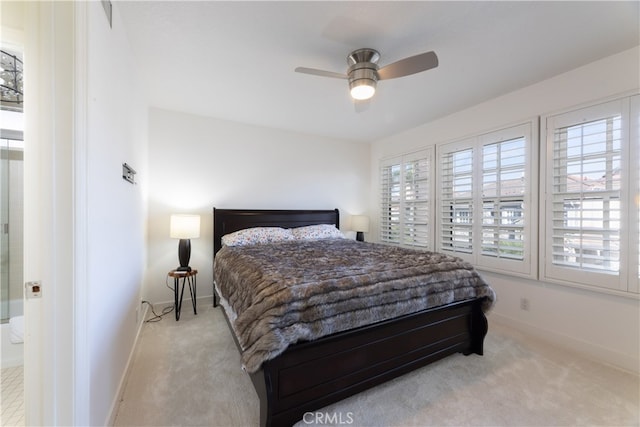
311 375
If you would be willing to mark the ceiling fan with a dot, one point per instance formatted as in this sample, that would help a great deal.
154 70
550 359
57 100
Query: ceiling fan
363 72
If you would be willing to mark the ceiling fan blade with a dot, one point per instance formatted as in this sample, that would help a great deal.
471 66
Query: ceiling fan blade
322 73
407 66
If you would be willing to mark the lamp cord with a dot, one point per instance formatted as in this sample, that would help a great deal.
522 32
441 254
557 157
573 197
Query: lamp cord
158 317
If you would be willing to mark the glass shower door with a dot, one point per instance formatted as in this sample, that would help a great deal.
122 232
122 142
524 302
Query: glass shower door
4 231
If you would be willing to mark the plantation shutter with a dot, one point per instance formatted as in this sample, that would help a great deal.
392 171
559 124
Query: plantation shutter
415 230
405 200
456 215
503 193
586 195
390 185
485 185
588 232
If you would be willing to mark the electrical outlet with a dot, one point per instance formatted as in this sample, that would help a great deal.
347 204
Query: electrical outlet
524 304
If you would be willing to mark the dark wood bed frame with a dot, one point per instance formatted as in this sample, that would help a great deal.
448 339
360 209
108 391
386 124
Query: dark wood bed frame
314 374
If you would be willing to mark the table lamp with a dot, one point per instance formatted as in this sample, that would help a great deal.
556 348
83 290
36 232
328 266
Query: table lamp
184 227
360 224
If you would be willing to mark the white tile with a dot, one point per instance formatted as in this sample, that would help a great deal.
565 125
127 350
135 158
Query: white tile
12 397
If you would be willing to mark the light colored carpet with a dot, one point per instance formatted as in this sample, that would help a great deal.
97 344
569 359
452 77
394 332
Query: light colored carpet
187 373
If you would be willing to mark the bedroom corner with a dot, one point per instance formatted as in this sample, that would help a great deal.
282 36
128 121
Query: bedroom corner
234 165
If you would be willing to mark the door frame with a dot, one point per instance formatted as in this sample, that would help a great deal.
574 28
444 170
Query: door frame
57 376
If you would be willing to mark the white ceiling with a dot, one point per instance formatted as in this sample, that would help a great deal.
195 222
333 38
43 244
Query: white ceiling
235 60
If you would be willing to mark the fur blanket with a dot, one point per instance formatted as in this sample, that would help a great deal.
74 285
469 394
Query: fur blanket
292 291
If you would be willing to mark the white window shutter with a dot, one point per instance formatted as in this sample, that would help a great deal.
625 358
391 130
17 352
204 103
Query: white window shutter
456 200
587 189
416 189
485 186
405 208
390 187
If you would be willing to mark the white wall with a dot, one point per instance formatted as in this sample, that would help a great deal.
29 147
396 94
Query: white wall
117 120
604 327
84 226
197 163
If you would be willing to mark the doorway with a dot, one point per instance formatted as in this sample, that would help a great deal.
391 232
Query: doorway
11 224
12 237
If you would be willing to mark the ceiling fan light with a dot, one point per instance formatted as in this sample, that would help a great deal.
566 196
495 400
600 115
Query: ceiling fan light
363 89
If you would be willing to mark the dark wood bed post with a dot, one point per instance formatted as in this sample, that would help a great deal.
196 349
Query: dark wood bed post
314 374
478 330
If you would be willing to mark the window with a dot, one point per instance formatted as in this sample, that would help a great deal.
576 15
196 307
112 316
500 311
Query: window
405 200
503 190
589 234
486 207
456 214
487 188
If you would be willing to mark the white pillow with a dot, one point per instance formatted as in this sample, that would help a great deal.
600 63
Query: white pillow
314 232
257 235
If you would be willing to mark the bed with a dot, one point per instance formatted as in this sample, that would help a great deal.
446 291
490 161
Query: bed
312 373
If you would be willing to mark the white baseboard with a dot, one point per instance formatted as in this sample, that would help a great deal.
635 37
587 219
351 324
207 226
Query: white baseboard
586 349
113 412
115 405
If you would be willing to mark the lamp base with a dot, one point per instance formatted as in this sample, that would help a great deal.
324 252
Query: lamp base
360 236
184 254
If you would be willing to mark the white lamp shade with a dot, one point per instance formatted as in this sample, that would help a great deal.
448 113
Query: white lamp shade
185 226
360 223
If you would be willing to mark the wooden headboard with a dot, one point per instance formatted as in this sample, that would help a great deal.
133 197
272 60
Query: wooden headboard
227 221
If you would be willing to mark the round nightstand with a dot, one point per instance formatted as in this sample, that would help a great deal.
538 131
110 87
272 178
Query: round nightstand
188 277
